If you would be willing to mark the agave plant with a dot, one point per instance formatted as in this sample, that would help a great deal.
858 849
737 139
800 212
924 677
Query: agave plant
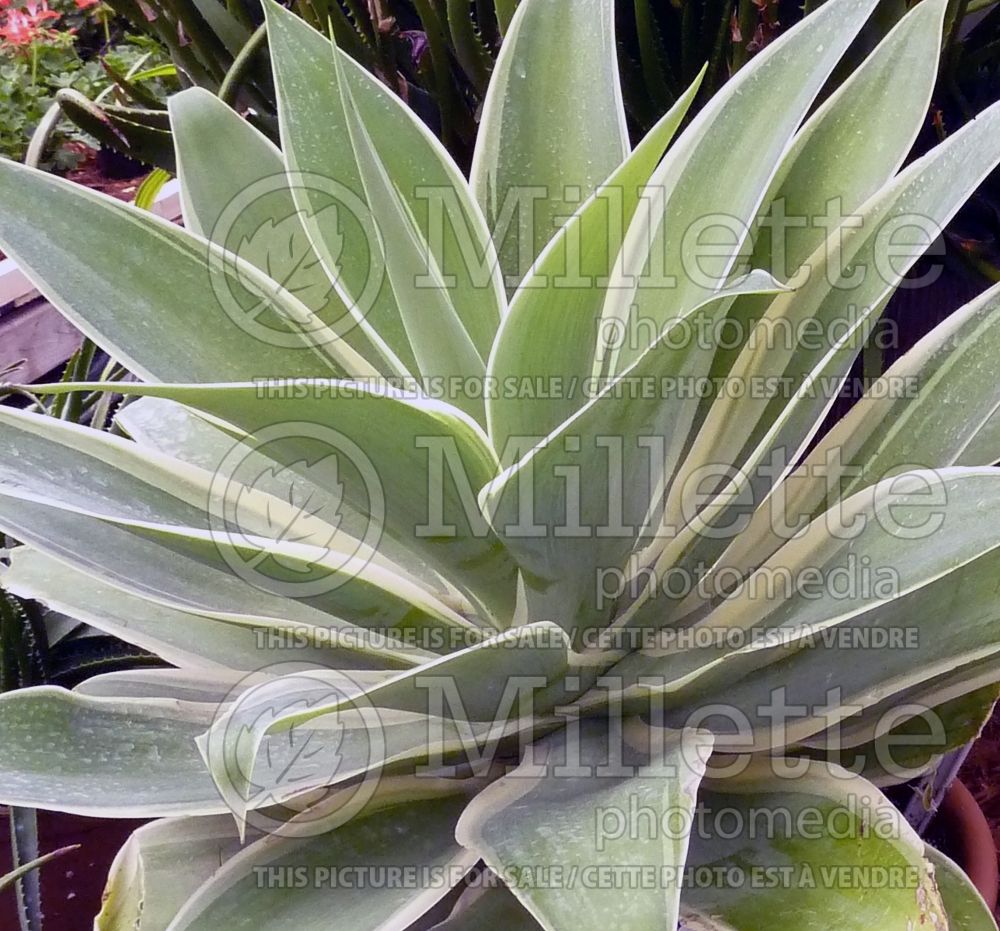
415 464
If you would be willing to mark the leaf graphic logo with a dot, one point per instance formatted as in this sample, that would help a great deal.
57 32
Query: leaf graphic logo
279 776
281 248
289 529
282 282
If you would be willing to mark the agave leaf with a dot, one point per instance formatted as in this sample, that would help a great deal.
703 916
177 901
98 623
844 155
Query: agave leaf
708 175
551 330
434 326
962 902
426 462
181 433
189 288
589 484
830 679
539 149
982 447
494 682
159 867
183 638
210 522
204 686
744 431
102 758
780 602
830 159
833 835
488 906
931 188
888 94
349 238
553 809
905 420
234 192
355 744
887 527
908 734
414 834
156 770
146 561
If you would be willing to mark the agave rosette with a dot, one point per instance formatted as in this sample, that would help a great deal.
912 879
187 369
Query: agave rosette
396 490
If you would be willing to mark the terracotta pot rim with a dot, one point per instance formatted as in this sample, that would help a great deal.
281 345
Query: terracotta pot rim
976 850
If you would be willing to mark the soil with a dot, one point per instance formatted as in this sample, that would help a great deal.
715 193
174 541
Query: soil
106 172
981 773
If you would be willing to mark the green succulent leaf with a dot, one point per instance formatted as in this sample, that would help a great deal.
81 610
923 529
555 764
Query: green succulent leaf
590 483
190 288
905 420
372 184
184 638
550 334
815 671
962 902
427 446
906 736
541 152
413 464
832 166
520 674
235 192
563 810
70 753
706 178
413 835
161 865
491 906
213 521
838 853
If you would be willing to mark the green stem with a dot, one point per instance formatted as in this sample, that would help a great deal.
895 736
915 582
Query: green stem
234 76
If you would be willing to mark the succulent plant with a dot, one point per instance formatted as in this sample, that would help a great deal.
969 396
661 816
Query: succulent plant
506 575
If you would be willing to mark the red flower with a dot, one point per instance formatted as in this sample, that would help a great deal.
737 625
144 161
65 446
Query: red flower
18 29
23 27
84 4
39 12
